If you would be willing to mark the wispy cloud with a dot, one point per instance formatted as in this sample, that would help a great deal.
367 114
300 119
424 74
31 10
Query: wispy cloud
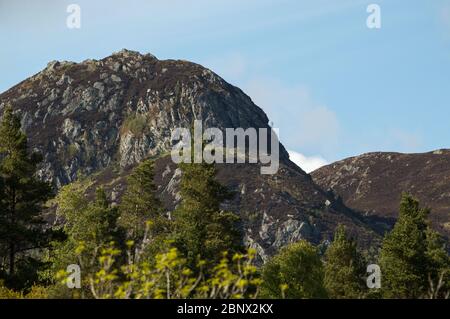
231 66
445 14
444 17
404 141
303 122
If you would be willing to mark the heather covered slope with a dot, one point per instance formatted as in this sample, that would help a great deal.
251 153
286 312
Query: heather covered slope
373 183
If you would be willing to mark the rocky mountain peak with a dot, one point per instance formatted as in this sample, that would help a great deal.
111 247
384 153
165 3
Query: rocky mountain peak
99 118
84 116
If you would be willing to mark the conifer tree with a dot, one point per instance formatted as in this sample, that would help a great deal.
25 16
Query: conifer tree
140 203
344 267
403 259
201 228
22 196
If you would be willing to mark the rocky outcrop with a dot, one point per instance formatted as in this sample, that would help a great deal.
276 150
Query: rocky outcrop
373 183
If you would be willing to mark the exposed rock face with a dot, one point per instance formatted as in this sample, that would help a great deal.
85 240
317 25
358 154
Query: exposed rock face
373 183
105 116
122 108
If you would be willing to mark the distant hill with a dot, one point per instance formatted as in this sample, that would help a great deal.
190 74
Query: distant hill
373 183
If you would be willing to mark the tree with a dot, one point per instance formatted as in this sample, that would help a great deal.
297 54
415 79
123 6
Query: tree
90 226
140 203
403 259
296 272
201 228
438 266
344 267
22 198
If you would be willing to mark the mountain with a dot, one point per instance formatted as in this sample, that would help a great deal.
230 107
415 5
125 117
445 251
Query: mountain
373 183
99 118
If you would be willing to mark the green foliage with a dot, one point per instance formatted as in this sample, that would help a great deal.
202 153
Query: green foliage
410 257
22 198
6 293
91 222
169 277
140 203
438 266
72 150
35 292
344 268
135 251
235 278
201 228
295 273
89 226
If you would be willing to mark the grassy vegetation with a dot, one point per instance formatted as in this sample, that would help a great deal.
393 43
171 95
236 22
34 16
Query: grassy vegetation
136 124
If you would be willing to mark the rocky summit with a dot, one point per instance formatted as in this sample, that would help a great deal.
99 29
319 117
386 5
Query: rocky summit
99 118
373 183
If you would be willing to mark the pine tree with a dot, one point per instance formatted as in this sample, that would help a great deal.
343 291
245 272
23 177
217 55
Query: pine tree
140 203
344 267
403 259
202 229
296 272
22 196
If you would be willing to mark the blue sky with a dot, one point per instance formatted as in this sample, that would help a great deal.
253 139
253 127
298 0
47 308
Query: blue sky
334 87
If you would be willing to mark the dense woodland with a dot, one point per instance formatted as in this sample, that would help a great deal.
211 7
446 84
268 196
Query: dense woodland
138 250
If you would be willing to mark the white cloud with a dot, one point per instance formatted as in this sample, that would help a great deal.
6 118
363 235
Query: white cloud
307 163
